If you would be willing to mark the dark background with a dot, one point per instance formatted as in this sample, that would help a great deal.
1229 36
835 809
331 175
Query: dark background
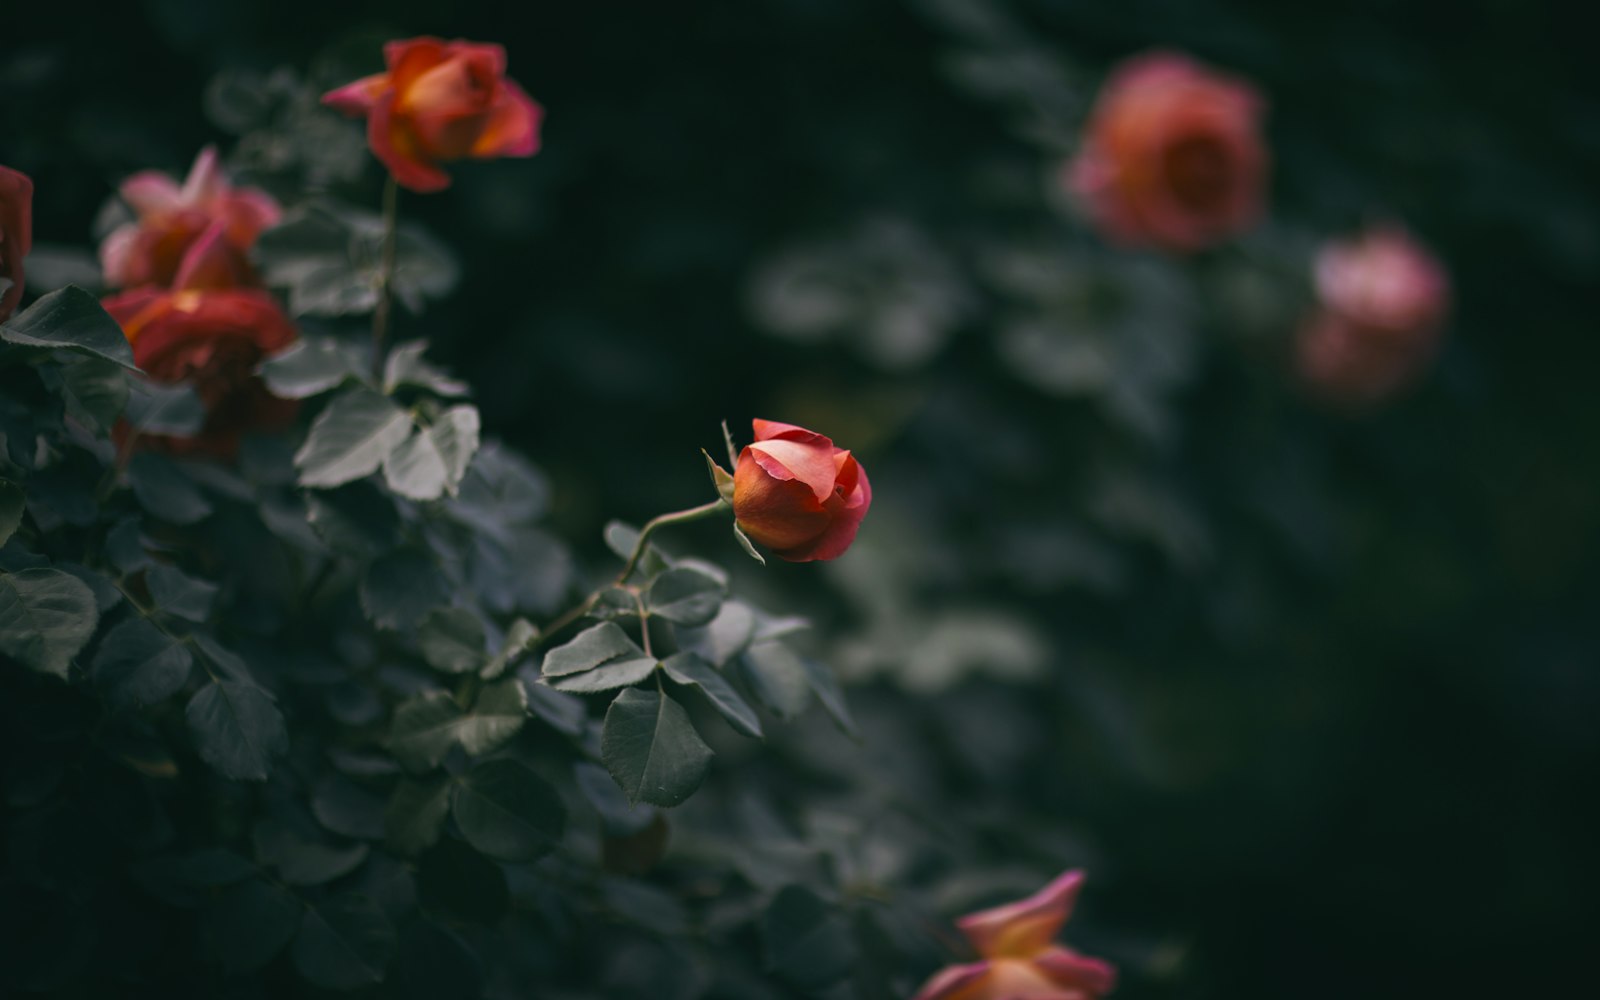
1347 745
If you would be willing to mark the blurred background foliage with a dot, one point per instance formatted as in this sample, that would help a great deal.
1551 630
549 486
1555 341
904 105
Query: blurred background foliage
1311 693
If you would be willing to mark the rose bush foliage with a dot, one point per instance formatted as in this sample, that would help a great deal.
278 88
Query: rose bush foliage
291 649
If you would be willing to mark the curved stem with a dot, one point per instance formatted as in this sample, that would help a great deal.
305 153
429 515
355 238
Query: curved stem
663 520
380 313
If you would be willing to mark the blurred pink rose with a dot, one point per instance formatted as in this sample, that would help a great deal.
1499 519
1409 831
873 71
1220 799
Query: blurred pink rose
16 233
170 221
1172 156
1382 303
1018 959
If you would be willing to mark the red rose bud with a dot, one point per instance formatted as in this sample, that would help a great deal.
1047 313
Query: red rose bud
440 101
797 494
1172 156
171 222
1018 959
16 234
1383 299
211 338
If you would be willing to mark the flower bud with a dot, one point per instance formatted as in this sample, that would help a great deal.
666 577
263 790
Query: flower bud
797 494
16 234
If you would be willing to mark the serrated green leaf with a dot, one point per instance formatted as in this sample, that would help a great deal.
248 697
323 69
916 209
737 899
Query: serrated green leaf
724 637
452 640
406 366
138 664
69 319
608 676
588 649
426 727
688 669
310 366
345 942
431 461
178 593
777 677
154 408
350 438
651 748
501 710
416 813
508 812
400 588
46 617
685 596
237 729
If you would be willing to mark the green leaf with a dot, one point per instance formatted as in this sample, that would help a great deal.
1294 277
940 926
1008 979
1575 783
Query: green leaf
431 461
309 367
618 816
178 593
452 640
426 727
806 941
345 942
724 637
500 490
522 636
747 545
564 713
688 669
329 258
351 438
249 924
154 408
826 688
400 588
608 676
73 320
508 812
237 729
590 648
405 366
165 491
424 730
651 748
685 596
306 863
621 538
96 392
138 664
12 504
357 519
46 617
348 809
778 678
416 813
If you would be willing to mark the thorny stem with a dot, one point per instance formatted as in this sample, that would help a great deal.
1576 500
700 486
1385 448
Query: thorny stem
380 313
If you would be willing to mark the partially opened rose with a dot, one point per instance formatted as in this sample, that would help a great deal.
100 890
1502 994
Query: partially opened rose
16 234
797 494
1382 302
440 101
211 338
1172 156
171 219
1019 959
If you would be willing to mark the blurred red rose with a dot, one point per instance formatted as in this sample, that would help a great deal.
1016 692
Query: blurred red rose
212 338
1018 957
797 494
440 101
170 221
1172 156
16 233
1383 299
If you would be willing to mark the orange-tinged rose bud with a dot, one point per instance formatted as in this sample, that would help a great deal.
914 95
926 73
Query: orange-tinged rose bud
1382 302
1018 960
797 494
213 339
16 234
173 223
440 101
1172 156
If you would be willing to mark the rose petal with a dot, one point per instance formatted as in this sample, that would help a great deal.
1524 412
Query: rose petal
206 181
1025 927
956 982
395 148
151 192
1066 967
357 98
513 127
